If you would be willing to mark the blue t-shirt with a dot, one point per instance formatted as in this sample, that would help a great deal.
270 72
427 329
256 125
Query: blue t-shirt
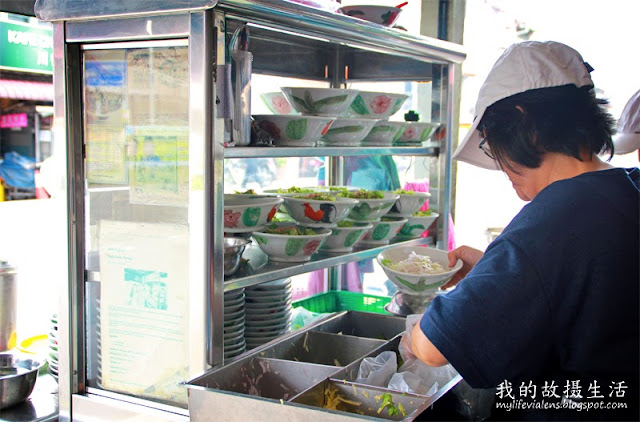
555 296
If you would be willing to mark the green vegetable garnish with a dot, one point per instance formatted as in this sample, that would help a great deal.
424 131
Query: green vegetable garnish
317 196
426 213
247 192
404 192
346 223
386 262
295 189
290 230
387 401
362 194
338 188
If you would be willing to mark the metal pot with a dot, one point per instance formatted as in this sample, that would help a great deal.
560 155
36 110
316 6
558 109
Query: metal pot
17 379
8 306
233 248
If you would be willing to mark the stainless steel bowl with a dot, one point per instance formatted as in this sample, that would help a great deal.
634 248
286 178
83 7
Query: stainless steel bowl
233 249
17 379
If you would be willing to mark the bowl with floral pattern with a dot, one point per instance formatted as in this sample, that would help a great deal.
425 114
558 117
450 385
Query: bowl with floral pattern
277 103
246 213
371 206
382 15
330 102
382 231
347 132
345 236
294 130
384 133
321 209
416 224
376 105
286 242
417 132
408 202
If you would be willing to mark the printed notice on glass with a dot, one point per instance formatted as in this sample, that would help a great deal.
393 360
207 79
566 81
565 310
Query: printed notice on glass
144 304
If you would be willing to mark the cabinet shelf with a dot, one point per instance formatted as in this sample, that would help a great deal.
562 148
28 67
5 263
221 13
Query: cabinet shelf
259 269
430 149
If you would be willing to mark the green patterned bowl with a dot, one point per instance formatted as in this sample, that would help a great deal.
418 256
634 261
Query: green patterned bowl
289 248
408 203
246 213
343 239
294 131
417 132
384 133
316 212
347 132
417 284
382 231
415 226
376 105
371 210
330 102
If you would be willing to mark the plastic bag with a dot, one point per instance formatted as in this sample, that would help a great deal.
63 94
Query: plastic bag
379 370
405 343
416 377
301 317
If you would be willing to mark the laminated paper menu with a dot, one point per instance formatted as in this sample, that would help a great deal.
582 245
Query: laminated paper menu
144 318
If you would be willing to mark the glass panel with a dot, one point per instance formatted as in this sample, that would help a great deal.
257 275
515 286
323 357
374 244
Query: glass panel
136 105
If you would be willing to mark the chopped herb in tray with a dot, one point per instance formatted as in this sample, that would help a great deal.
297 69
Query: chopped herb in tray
362 194
290 230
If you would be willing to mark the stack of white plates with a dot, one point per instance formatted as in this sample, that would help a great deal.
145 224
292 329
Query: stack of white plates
234 343
267 312
52 355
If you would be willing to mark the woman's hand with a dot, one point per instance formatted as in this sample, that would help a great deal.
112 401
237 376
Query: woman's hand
469 257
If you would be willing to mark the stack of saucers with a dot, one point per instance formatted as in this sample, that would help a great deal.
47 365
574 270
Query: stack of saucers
267 312
234 343
52 356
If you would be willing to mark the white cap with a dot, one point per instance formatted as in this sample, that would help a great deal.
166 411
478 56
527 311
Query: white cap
628 137
522 67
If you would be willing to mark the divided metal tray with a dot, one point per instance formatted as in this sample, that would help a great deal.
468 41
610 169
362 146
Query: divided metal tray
292 376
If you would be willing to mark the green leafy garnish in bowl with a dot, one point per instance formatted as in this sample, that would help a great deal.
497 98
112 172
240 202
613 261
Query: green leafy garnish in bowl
362 194
404 192
317 196
290 230
426 213
346 223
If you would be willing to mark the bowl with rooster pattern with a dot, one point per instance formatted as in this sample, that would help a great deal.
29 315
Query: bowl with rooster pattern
318 209
245 213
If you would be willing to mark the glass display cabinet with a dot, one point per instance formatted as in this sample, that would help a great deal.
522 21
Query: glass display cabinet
140 90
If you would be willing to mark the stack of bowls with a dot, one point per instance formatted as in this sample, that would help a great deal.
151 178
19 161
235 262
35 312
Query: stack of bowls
408 206
52 355
267 312
234 308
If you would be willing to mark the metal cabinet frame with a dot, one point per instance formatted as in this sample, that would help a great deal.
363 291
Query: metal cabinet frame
205 24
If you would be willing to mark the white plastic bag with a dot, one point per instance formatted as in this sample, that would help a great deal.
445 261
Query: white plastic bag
379 370
416 377
405 343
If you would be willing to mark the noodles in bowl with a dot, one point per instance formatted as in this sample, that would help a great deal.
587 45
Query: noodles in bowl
417 270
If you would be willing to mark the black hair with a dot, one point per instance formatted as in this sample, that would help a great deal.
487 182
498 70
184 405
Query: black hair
563 119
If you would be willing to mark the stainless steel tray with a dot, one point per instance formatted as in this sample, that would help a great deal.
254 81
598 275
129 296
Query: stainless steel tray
292 376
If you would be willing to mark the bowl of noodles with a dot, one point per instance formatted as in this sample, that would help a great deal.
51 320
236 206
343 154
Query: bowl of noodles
417 270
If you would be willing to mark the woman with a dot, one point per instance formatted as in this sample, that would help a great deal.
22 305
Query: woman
554 299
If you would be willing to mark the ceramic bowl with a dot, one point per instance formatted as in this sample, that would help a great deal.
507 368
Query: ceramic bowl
289 248
311 212
408 203
277 103
376 105
370 210
384 133
382 231
417 132
416 225
417 284
343 239
247 213
347 132
294 131
330 102
233 249
383 15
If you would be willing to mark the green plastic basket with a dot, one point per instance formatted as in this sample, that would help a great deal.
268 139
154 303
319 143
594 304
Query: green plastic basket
336 301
